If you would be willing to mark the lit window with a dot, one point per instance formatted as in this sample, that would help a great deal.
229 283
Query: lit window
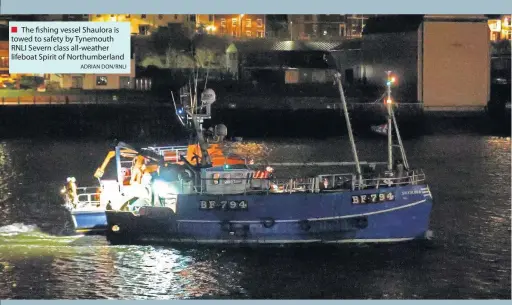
227 179
291 77
248 33
222 23
260 34
234 21
216 178
238 179
101 81
248 23
4 62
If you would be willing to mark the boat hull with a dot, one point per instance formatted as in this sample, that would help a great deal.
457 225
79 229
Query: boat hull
89 222
282 219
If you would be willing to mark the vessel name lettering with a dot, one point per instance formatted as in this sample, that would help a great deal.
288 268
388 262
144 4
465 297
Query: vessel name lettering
412 192
225 205
373 198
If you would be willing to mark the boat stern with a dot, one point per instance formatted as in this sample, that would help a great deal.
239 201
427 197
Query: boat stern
89 222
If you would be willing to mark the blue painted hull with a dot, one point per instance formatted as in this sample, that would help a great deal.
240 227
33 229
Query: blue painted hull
89 221
282 219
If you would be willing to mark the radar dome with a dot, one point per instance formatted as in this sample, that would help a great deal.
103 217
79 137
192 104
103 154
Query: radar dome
208 96
221 130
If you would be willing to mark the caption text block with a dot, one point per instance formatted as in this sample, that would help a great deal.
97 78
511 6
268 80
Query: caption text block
69 47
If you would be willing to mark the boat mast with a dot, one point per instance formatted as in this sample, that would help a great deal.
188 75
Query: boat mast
391 117
198 126
390 134
337 75
402 150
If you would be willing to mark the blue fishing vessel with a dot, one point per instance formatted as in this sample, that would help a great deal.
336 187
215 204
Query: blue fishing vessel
201 203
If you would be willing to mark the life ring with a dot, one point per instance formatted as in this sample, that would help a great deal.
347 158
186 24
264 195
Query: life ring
268 222
388 181
185 175
304 225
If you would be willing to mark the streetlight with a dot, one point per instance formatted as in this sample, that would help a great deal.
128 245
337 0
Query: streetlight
291 30
241 16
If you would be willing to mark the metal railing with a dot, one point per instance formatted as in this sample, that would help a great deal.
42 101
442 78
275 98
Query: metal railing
412 177
320 183
249 185
176 150
87 196
229 185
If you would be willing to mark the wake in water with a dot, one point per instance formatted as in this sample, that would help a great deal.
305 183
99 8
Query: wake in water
17 228
19 234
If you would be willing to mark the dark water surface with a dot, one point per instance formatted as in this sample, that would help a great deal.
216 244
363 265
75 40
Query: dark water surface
470 257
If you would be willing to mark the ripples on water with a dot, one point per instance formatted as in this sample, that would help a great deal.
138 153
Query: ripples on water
470 258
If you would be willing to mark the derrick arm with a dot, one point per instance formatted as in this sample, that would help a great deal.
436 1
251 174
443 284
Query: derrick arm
101 170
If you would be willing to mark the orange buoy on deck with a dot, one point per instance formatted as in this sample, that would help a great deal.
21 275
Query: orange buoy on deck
194 152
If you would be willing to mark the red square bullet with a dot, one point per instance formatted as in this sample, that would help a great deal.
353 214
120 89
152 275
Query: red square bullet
14 29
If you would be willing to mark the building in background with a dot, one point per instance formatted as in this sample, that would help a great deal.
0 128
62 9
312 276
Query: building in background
5 76
145 24
429 56
285 62
96 81
326 27
500 27
4 57
4 19
63 17
234 25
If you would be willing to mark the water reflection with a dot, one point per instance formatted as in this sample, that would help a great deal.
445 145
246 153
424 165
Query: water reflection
469 176
6 174
166 273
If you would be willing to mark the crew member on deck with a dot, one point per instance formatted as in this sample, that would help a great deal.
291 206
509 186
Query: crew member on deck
264 174
399 169
263 177
137 170
72 190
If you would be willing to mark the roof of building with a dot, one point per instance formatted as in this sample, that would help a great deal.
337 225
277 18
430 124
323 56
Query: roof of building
348 45
392 24
267 45
409 23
